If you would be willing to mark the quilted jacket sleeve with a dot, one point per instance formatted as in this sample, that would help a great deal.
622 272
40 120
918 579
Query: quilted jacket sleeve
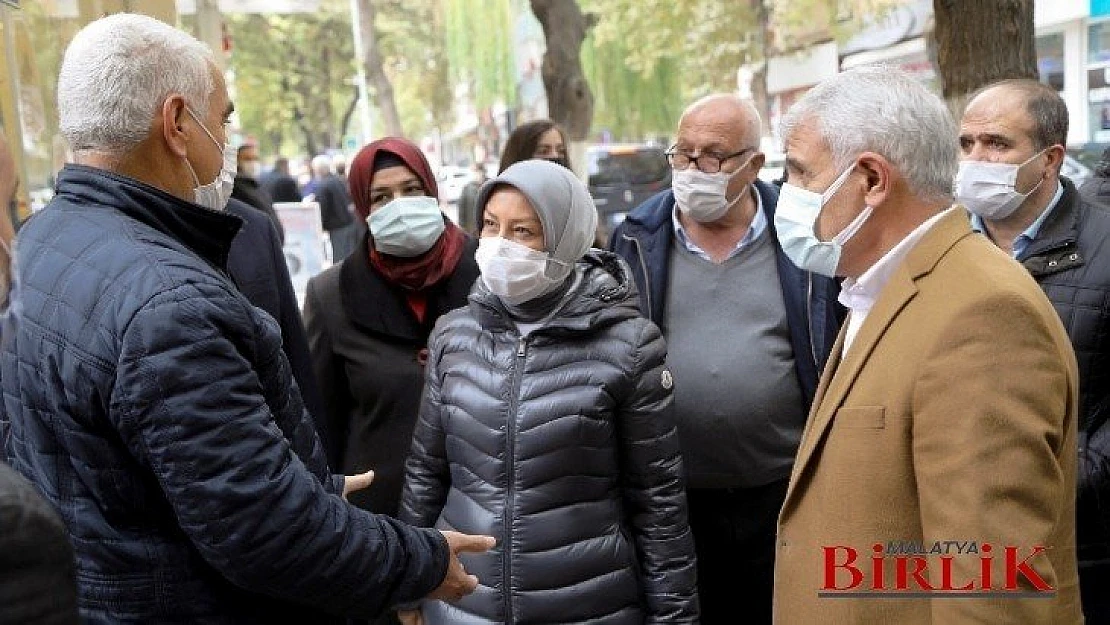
189 405
427 474
654 488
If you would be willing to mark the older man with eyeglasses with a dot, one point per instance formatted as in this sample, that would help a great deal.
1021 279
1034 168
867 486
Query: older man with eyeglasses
747 335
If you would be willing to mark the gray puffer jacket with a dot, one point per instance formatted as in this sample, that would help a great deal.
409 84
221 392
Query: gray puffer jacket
562 446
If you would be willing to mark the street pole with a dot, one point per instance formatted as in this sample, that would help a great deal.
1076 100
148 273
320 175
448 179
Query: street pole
210 29
363 94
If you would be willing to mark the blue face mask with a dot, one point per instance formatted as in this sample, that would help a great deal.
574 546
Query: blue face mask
795 215
406 226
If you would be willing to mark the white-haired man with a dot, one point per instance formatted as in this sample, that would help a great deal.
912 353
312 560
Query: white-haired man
935 480
150 402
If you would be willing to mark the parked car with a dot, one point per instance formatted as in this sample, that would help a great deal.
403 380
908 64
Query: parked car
773 166
622 176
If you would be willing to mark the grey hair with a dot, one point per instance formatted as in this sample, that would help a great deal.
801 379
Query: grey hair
882 109
116 74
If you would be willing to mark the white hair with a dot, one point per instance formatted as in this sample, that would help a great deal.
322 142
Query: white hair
116 74
321 165
882 109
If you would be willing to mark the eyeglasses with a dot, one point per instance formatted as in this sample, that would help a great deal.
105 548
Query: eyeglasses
706 163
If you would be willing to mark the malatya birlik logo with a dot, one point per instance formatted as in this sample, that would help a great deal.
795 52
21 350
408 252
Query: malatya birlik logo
908 569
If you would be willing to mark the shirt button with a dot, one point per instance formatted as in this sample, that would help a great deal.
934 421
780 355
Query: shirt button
1073 257
1052 263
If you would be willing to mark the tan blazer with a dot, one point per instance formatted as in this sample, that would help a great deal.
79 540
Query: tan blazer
952 418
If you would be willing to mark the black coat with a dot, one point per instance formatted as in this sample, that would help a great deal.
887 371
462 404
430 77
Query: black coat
561 445
247 190
281 187
1070 259
256 263
152 405
335 202
368 352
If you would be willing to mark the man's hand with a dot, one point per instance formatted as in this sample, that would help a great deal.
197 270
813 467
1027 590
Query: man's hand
355 483
410 617
457 584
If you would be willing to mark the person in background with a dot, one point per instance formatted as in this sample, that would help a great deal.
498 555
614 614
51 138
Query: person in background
248 189
468 200
38 584
1012 139
541 138
257 264
712 274
150 401
547 423
330 191
948 406
369 317
280 184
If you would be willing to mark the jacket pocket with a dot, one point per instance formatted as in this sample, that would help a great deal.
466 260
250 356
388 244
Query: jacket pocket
869 417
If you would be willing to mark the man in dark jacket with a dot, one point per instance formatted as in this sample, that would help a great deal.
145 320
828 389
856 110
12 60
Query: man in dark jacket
256 263
331 193
747 334
281 186
247 188
150 402
1063 238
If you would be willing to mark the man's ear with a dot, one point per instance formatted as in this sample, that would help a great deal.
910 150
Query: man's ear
1055 155
879 174
172 119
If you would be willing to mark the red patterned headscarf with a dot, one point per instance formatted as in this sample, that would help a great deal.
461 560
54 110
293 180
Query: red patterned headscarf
431 267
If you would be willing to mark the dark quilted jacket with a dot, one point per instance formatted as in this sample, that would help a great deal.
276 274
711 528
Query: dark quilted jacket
152 405
1070 258
563 447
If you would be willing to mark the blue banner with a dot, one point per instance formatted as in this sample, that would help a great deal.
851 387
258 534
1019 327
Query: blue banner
1100 7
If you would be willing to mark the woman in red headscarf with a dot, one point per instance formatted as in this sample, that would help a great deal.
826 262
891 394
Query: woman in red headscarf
368 318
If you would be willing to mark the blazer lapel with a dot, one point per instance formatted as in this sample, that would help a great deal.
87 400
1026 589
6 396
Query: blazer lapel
840 373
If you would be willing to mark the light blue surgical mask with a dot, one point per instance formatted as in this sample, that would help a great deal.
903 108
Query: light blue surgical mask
795 215
406 226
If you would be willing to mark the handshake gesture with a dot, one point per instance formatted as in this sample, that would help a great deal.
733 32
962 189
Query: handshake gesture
458 583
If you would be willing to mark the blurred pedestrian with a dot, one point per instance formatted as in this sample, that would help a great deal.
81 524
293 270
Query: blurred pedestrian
150 402
248 189
330 192
280 184
1012 136
541 138
948 406
547 423
368 318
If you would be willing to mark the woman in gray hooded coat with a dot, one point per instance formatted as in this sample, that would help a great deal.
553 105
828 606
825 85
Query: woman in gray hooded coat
546 422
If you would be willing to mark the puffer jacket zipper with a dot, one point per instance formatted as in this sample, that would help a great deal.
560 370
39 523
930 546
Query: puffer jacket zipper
510 475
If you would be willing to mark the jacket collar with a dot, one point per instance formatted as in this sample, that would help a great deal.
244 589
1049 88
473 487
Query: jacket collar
378 307
607 294
206 232
1061 228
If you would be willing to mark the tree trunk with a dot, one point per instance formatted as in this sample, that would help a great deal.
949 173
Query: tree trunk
760 97
980 42
375 70
570 103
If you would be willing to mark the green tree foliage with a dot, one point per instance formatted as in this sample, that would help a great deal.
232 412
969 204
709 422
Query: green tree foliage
479 40
305 63
627 103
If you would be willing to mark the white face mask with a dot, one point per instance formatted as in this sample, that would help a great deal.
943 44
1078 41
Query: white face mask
702 196
406 226
795 215
516 273
215 194
988 189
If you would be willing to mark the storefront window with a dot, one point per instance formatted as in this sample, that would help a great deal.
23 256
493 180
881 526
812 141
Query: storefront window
1050 60
1098 81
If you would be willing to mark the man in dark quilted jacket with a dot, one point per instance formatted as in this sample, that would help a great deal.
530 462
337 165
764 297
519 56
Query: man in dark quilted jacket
150 402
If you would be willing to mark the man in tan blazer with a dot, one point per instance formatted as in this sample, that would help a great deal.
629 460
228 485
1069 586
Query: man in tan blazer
935 480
